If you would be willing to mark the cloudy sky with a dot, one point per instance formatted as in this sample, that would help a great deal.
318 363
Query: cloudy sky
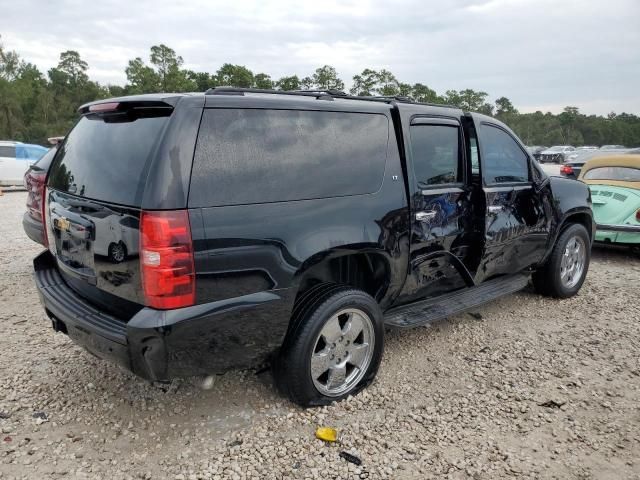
542 54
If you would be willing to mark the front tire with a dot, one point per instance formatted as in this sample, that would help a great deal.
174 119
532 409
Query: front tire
566 268
334 348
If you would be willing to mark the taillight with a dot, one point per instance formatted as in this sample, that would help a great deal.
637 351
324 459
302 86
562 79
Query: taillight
34 183
638 215
166 259
566 170
43 214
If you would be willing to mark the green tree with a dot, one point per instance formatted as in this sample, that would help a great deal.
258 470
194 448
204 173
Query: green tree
74 67
504 107
141 77
262 80
9 63
288 83
326 78
202 81
167 65
424 94
365 83
234 76
387 84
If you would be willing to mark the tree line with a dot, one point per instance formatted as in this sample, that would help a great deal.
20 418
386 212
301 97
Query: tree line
34 105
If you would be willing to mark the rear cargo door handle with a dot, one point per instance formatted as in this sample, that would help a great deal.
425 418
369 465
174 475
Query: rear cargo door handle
423 216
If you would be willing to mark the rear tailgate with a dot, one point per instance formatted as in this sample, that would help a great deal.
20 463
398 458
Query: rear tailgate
94 198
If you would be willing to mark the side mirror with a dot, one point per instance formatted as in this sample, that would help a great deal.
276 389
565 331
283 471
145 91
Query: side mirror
539 177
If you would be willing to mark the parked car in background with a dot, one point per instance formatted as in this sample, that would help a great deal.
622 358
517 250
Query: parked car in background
34 182
614 182
587 147
536 150
292 226
15 160
612 147
571 168
556 154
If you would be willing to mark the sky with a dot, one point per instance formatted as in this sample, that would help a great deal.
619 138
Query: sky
541 54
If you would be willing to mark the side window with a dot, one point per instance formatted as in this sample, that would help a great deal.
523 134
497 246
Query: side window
22 153
475 161
435 154
247 156
7 151
503 160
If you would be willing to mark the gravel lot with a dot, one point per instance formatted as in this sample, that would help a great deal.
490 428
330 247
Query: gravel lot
526 387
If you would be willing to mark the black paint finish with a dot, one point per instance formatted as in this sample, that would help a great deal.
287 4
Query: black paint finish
253 259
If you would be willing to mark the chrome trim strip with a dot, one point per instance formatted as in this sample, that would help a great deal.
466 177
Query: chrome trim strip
618 228
440 191
507 188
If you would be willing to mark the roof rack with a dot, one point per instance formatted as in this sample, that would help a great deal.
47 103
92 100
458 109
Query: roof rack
324 94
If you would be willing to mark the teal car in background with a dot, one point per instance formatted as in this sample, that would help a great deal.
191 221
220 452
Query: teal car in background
614 182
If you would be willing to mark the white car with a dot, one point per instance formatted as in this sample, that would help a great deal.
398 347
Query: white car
556 154
15 160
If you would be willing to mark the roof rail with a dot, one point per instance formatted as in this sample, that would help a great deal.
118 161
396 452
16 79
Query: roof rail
324 94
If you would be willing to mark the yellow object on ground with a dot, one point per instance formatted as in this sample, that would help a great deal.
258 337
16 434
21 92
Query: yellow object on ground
327 434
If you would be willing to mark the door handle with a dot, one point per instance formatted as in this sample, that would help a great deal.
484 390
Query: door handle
495 208
422 216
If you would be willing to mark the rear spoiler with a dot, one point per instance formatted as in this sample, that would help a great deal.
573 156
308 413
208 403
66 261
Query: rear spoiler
116 106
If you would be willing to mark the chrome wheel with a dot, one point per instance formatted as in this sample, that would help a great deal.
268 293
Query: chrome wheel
342 352
117 253
573 261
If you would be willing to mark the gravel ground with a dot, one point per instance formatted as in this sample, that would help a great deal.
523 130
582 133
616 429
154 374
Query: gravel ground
525 387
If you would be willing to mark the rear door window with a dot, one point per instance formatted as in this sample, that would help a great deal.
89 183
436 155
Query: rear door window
246 156
7 151
435 154
107 159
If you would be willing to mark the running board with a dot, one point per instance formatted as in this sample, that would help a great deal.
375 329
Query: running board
427 311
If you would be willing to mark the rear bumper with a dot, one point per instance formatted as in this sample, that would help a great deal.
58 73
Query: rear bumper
33 228
159 345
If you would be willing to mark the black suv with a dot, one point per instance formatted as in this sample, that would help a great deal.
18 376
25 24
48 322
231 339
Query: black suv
188 234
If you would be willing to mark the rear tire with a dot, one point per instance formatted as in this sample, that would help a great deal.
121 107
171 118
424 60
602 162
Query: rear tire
566 268
334 347
117 252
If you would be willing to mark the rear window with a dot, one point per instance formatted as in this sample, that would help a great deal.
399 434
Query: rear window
624 174
7 151
106 158
248 156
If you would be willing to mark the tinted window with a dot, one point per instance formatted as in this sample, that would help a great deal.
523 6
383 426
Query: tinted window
7 151
107 160
45 160
503 160
255 156
624 174
434 150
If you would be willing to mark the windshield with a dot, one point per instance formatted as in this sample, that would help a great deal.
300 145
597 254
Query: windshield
623 174
557 148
